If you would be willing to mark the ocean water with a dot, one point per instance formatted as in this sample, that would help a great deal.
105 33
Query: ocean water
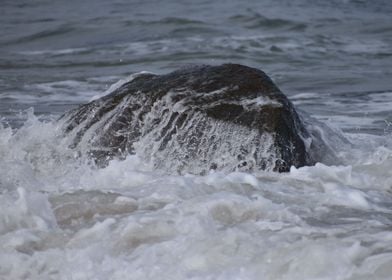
63 218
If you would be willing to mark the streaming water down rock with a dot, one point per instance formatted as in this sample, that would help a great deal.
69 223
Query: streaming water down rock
62 217
228 117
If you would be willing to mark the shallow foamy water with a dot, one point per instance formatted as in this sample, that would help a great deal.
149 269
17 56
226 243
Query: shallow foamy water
62 218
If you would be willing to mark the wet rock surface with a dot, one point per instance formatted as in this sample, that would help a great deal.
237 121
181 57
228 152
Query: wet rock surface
228 117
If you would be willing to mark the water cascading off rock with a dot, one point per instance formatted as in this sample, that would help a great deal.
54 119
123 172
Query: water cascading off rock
228 117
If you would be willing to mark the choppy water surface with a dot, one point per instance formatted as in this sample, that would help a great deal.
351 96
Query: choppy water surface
62 218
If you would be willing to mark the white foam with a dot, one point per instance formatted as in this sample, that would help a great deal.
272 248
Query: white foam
60 217
259 102
55 52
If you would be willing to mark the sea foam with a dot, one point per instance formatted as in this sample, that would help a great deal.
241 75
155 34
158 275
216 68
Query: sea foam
62 217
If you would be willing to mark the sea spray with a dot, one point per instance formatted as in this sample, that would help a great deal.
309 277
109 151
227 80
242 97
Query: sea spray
130 219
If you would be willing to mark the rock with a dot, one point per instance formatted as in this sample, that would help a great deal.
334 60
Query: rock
228 117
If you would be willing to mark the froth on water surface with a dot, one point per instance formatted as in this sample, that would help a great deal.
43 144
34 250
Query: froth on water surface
63 218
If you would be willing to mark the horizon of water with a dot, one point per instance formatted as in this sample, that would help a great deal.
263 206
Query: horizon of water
63 218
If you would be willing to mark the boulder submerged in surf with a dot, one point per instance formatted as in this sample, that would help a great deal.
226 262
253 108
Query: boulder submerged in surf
228 117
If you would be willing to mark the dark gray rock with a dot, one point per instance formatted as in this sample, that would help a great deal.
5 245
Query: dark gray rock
228 117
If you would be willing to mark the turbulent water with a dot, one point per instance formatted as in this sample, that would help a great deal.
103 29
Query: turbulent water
63 218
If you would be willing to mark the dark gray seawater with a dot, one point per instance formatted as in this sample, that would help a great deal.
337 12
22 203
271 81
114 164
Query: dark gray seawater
55 54
62 218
